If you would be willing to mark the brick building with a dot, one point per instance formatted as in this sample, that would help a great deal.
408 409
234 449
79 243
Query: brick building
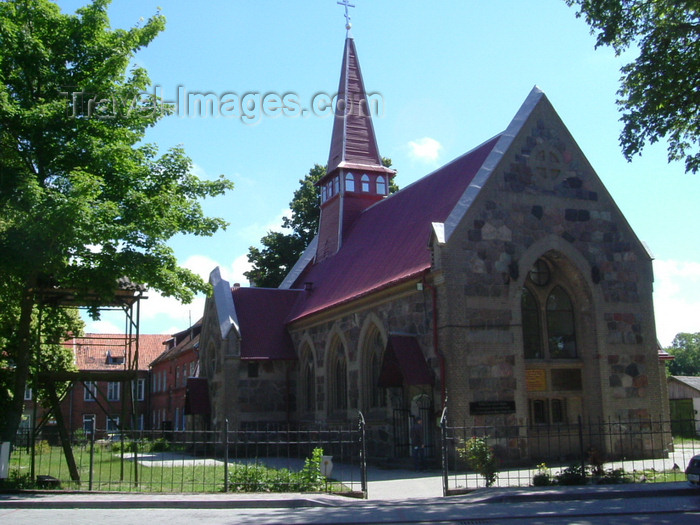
170 372
100 404
506 286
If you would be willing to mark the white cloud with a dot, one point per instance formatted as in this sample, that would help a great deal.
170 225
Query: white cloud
676 298
425 149
103 326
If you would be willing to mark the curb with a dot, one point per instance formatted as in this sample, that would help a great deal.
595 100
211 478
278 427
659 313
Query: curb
82 500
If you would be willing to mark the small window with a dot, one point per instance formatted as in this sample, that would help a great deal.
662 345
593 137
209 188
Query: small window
336 185
323 194
138 389
113 391
349 182
27 393
253 369
112 423
539 411
381 186
90 392
114 359
365 183
88 424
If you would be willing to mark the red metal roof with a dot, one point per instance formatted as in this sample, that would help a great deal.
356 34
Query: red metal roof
353 142
389 241
91 350
404 363
261 314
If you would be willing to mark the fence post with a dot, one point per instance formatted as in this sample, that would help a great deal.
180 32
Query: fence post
443 450
580 442
92 455
226 456
363 455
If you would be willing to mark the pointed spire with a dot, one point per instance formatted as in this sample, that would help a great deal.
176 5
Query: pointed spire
353 142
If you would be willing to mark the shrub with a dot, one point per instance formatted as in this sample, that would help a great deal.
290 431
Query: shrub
543 478
614 477
480 458
42 447
572 475
258 478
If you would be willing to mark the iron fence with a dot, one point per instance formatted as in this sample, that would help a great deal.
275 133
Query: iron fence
256 457
595 451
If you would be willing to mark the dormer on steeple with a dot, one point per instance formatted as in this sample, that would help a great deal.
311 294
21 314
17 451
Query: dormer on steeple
355 177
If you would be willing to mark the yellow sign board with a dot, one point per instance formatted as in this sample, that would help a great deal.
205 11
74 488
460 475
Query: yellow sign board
536 380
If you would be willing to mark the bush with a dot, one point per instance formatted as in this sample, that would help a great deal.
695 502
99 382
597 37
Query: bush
258 478
614 477
572 475
543 478
480 458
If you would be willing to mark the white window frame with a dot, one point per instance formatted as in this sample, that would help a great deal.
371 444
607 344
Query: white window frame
138 389
90 392
113 391
91 419
364 181
349 182
112 423
28 393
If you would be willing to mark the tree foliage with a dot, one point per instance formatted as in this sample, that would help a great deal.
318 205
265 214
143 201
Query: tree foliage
685 349
280 250
83 201
660 90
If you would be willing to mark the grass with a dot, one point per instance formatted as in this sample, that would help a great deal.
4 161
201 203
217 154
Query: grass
175 471
110 473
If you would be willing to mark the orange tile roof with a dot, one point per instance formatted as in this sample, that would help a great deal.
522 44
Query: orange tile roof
91 350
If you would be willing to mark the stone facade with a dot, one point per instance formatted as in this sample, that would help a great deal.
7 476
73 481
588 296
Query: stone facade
538 301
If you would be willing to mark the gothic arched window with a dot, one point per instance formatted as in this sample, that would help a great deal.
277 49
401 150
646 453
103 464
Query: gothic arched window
374 352
560 324
547 315
308 382
338 378
349 182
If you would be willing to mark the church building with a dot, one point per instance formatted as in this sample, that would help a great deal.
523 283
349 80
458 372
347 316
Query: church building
506 287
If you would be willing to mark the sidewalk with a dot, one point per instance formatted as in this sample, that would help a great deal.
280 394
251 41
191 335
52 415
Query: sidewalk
400 492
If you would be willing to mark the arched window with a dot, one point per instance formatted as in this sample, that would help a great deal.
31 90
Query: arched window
532 339
547 315
336 185
365 183
309 384
349 182
376 396
340 400
381 186
337 378
560 325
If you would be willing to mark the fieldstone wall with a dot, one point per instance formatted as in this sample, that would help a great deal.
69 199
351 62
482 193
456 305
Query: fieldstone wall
545 199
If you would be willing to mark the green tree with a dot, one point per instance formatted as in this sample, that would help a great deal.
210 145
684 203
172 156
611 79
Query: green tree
83 201
685 350
280 250
660 90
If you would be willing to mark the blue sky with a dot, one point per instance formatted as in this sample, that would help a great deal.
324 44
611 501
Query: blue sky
446 76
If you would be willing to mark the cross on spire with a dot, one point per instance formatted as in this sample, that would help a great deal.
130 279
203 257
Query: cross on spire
347 4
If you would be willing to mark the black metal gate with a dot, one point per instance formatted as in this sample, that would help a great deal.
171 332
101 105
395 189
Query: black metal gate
402 421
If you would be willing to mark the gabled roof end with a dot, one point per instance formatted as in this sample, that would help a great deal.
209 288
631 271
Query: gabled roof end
223 300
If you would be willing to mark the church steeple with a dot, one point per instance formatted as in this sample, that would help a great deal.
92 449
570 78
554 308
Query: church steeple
355 177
